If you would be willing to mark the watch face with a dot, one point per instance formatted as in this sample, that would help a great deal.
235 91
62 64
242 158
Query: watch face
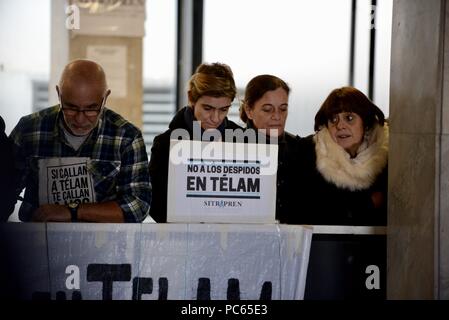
73 205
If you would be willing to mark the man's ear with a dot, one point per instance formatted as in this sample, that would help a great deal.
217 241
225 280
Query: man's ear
106 95
57 90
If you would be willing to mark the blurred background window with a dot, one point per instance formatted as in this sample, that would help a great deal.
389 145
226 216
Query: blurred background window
306 43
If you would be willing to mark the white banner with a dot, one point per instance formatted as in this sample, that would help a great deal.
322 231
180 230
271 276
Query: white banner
156 261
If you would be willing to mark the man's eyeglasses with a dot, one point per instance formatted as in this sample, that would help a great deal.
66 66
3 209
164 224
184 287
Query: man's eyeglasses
69 111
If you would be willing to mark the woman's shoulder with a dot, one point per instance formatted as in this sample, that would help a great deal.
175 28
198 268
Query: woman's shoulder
300 141
308 140
232 125
307 144
161 142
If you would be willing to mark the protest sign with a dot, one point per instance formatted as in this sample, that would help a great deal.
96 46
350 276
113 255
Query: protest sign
221 182
65 180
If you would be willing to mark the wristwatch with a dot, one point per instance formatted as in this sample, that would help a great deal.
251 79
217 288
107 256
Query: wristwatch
73 207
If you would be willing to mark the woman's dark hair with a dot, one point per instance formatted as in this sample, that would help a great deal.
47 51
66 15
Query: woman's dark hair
349 99
256 88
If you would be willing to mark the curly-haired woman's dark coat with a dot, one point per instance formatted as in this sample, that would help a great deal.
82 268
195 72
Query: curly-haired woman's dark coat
339 190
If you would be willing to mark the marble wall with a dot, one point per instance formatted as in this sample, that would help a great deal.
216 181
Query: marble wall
418 213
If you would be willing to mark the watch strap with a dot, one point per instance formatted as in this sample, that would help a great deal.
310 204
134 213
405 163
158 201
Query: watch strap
73 212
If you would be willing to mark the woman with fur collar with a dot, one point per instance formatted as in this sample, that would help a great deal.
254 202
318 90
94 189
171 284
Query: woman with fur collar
345 162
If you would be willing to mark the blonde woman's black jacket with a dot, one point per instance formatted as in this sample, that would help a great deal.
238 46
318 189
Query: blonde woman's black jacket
338 190
160 157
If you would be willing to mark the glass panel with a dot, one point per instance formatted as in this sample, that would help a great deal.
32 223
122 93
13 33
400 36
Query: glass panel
306 43
379 17
383 24
159 58
362 42
24 56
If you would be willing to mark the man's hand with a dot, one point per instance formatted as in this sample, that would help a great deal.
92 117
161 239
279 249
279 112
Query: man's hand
108 211
378 199
51 213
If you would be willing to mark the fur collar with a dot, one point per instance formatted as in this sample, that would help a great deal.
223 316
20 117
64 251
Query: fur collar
359 173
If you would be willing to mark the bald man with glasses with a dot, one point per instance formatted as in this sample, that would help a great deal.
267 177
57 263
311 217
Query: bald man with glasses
79 160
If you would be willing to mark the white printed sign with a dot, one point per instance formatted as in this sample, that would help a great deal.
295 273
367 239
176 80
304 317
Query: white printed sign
65 180
221 182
